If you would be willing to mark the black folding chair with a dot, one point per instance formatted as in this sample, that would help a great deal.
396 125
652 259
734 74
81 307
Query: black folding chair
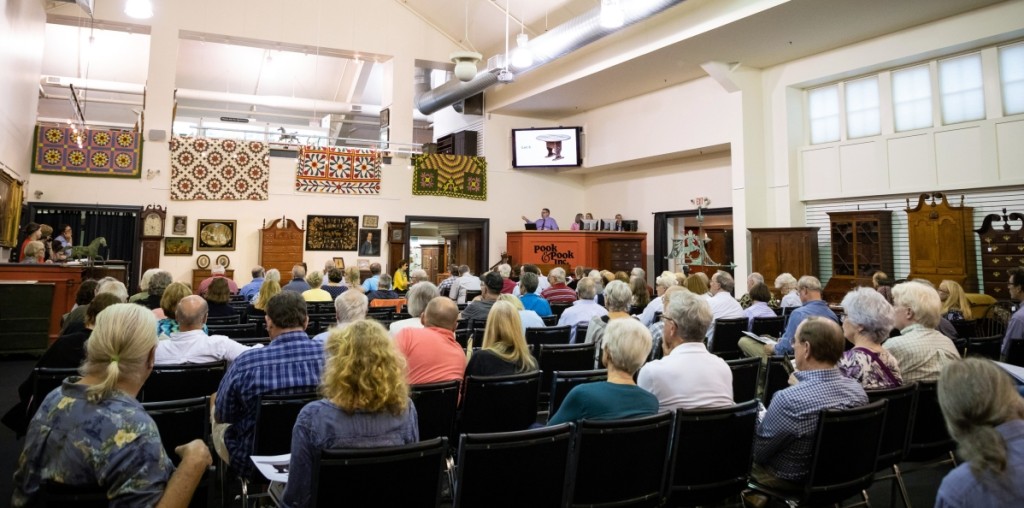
776 377
537 459
600 443
726 337
499 403
548 335
930 442
563 382
272 433
899 422
235 331
965 328
745 373
558 308
770 326
60 495
436 405
471 294
551 320
44 381
223 320
984 347
185 381
835 473
252 341
1015 353
179 422
366 476
564 357
721 436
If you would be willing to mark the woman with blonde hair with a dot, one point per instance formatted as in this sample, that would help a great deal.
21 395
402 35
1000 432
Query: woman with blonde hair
92 431
504 350
696 284
352 279
366 404
955 306
641 297
315 293
268 290
786 284
985 415
169 305
529 318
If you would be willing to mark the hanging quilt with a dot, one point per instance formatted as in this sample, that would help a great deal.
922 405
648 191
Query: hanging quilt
61 150
455 176
338 170
208 169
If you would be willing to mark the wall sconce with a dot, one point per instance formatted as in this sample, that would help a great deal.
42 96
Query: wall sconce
152 173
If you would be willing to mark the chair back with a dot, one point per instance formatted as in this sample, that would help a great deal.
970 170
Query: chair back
275 413
252 341
462 336
398 316
377 313
436 405
366 476
392 304
464 324
745 373
899 422
180 421
965 328
235 330
1015 353
929 438
548 335
562 382
321 308
223 320
499 403
551 320
726 337
985 347
44 381
771 326
776 377
721 436
536 462
60 495
185 381
558 308
603 442
835 473
581 330
564 357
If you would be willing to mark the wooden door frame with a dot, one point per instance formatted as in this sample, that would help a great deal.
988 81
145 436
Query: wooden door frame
661 246
485 233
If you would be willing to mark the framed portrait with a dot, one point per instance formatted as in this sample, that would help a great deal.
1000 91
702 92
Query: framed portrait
369 242
363 264
339 263
180 225
216 234
332 232
178 246
370 221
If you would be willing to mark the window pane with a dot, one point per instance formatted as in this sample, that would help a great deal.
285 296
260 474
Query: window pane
1011 71
823 109
912 98
862 117
960 85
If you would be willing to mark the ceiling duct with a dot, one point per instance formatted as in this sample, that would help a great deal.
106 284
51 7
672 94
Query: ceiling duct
555 43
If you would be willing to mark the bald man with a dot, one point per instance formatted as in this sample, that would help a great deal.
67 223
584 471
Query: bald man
190 344
432 353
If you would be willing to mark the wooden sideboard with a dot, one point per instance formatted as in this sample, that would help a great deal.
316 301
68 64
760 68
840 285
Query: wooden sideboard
604 250
281 247
775 251
199 276
64 279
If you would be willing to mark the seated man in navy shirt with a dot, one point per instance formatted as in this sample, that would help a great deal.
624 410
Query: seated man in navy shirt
809 289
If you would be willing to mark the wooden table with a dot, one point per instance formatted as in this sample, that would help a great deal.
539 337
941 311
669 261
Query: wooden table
65 280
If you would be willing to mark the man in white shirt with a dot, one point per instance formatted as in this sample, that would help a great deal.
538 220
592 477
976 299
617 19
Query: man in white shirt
723 305
417 299
349 306
542 281
582 310
466 282
688 376
190 344
662 283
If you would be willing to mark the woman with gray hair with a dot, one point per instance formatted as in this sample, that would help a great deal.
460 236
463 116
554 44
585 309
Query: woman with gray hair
624 350
985 415
786 284
617 299
868 321
158 282
91 431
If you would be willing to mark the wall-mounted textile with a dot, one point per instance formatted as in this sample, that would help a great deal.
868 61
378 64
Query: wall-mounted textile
338 170
209 169
331 232
455 176
103 152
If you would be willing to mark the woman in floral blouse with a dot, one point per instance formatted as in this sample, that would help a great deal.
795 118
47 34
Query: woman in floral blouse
868 321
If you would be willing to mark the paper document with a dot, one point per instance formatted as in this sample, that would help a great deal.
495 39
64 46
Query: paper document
273 467
1017 373
761 339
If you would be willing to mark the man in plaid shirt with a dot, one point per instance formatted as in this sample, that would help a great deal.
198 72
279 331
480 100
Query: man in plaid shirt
446 285
290 364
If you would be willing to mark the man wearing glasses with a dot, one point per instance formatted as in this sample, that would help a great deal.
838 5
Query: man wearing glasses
1015 327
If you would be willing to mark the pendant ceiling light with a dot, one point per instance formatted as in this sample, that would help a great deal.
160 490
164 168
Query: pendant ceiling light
522 57
138 9
611 14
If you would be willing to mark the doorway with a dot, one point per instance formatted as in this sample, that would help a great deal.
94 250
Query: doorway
713 229
435 243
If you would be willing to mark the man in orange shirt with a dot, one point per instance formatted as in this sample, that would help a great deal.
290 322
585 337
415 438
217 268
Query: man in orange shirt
432 353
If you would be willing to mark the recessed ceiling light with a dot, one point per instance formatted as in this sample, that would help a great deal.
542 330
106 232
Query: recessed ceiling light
138 9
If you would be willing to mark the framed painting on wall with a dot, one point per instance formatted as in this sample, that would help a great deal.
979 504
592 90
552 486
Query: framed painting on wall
178 246
331 232
216 234
369 242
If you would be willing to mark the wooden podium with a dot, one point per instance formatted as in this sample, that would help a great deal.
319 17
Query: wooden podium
603 250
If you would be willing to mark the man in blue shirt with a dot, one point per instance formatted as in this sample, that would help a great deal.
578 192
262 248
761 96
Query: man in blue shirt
371 283
809 289
291 363
531 300
253 288
298 283
545 221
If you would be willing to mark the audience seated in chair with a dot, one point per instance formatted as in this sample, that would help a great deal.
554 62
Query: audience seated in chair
383 290
723 305
333 283
490 286
507 284
316 293
270 287
93 432
617 298
624 349
529 318
216 272
419 295
584 309
190 344
168 308
687 376
920 349
298 282
217 298
787 286
1015 326
868 321
746 300
504 350
350 307
558 292
431 352
530 299
366 404
158 283
661 284
466 282
250 290
758 297
542 281
809 289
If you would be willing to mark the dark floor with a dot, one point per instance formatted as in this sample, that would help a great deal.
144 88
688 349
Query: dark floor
922 485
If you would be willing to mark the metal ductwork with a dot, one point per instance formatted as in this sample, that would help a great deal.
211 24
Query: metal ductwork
555 43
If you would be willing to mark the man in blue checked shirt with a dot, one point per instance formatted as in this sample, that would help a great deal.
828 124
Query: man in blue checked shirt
290 364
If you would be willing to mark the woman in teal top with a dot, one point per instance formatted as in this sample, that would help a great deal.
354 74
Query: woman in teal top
624 349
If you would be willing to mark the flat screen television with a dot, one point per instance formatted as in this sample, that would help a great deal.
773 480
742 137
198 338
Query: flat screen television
550 147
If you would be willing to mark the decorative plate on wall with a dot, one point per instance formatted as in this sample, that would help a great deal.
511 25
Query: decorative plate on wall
223 260
203 262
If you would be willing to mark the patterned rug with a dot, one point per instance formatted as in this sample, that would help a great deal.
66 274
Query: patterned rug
208 169
97 152
338 170
455 176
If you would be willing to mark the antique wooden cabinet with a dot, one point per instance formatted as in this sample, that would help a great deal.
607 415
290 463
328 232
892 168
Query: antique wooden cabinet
942 241
281 246
775 251
1002 248
861 244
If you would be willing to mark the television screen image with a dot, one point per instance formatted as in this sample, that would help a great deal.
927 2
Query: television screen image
545 148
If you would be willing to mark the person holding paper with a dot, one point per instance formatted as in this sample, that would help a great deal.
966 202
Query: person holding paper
545 222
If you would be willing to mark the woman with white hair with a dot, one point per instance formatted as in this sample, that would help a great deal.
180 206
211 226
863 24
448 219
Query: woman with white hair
624 349
617 299
868 321
786 284
664 281
985 415
92 431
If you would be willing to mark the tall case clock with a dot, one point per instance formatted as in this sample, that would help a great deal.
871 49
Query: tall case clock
152 233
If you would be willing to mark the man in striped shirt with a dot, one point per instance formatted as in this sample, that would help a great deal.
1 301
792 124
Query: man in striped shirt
559 292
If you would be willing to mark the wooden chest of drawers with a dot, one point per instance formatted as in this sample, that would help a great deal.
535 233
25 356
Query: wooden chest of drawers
1002 248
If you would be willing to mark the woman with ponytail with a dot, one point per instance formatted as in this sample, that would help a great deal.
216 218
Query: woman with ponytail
985 415
91 431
